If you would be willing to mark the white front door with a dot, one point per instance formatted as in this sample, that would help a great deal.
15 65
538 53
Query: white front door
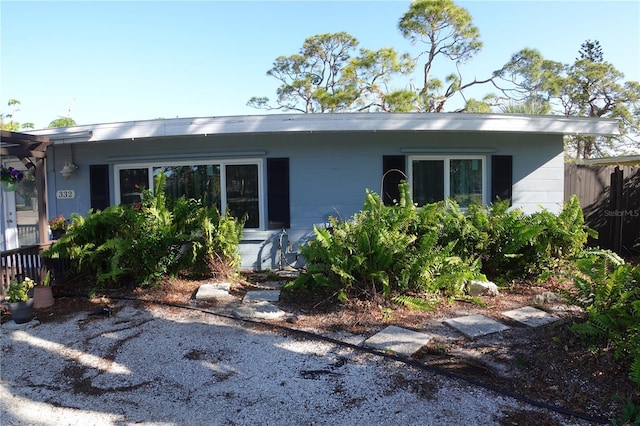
9 237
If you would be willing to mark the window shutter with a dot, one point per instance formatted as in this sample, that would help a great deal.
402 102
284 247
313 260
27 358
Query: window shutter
279 215
391 177
501 177
99 186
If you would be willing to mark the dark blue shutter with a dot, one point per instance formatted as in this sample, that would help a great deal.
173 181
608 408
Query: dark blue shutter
393 164
99 186
501 177
279 215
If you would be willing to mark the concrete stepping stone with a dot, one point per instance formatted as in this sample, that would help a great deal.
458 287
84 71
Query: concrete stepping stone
259 310
399 340
276 285
530 316
476 325
261 296
288 273
213 291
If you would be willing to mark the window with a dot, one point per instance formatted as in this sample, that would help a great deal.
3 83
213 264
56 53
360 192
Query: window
232 186
435 178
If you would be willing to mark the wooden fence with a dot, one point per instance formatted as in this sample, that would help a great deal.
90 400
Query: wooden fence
610 199
27 261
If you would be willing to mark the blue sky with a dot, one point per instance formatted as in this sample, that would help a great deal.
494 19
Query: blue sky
121 61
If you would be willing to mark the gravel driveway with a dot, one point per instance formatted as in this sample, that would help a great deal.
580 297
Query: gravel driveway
168 366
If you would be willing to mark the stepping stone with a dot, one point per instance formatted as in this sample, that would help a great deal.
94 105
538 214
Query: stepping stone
276 285
475 325
530 316
261 296
259 310
399 340
288 273
213 291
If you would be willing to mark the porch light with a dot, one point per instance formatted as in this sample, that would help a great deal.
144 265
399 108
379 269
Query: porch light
68 169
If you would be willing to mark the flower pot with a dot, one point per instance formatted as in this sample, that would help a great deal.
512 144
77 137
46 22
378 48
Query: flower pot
9 186
42 296
21 312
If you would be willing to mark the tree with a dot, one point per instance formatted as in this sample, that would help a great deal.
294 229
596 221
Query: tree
329 74
62 122
447 31
12 125
590 87
593 87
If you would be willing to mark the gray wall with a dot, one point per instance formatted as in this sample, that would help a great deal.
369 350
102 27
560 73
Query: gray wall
329 172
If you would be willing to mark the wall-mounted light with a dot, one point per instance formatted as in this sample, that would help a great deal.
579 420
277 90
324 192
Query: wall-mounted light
68 169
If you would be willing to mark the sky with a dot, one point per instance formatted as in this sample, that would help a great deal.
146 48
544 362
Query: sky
111 61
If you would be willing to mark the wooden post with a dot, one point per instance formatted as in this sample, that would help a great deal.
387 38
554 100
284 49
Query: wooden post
41 187
615 194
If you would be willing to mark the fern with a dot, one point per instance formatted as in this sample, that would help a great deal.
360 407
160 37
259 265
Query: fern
609 291
122 245
635 370
416 303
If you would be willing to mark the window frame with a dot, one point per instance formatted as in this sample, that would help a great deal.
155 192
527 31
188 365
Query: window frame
150 165
447 171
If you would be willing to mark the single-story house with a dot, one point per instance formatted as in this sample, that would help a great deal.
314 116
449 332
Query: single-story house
290 172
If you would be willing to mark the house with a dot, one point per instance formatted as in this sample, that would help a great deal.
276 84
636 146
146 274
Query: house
288 173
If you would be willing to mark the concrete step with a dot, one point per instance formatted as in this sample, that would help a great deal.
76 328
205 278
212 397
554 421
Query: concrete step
530 316
474 326
261 296
399 340
260 311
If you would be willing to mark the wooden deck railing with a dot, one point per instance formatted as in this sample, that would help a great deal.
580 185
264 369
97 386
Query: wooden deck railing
27 261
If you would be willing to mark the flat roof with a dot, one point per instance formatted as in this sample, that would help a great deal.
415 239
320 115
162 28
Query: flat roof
338 122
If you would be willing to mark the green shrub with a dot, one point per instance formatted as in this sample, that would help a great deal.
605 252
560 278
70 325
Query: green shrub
437 248
384 250
609 291
513 245
140 245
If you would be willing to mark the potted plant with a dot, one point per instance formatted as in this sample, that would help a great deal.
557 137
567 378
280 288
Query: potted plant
58 226
42 294
10 178
20 304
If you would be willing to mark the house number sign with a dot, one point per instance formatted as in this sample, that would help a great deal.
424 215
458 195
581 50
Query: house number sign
65 194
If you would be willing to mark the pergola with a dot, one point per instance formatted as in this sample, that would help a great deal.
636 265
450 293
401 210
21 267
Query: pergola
32 151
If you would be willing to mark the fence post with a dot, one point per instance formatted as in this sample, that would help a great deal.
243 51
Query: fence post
615 194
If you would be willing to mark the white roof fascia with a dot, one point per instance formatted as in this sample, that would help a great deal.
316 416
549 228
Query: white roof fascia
622 160
339 122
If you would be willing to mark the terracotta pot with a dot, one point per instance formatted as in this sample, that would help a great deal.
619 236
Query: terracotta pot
42 296
21 312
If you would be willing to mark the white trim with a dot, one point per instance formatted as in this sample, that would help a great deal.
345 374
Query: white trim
343 122
447 171
189 157
150 165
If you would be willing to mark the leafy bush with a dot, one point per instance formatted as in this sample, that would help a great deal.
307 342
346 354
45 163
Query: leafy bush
437 248
384 250
141 244
512 245
609 291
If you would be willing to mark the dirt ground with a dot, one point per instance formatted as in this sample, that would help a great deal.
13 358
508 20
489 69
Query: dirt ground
549 364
